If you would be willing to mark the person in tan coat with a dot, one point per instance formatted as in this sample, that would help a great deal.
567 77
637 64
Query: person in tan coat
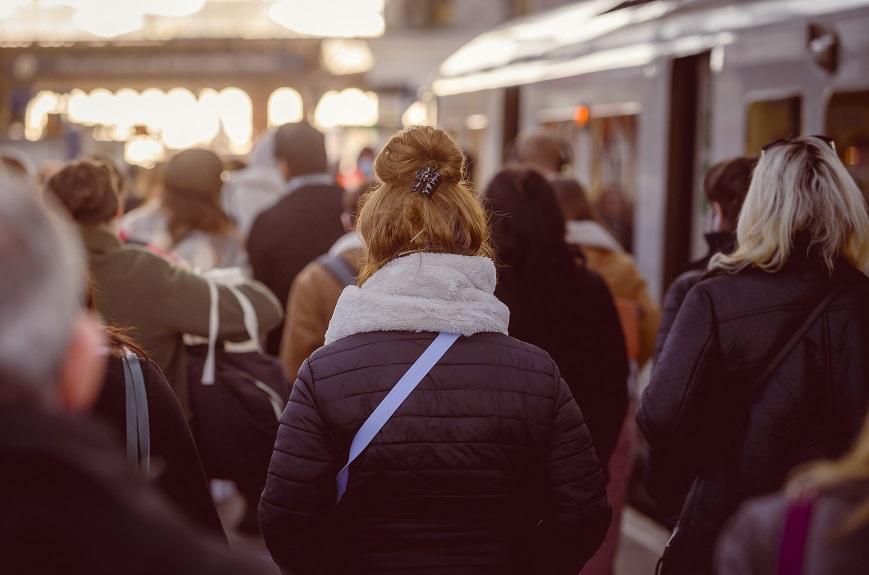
604 255
316 289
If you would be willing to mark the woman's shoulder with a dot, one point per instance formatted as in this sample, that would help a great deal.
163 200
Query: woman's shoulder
365 350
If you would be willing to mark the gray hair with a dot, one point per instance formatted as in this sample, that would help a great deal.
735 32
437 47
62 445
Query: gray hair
800 186
42 283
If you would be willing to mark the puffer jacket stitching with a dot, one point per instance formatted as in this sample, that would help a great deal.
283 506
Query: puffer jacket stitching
429 390
444 364
325 352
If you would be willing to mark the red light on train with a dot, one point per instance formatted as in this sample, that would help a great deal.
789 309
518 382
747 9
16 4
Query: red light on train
581 115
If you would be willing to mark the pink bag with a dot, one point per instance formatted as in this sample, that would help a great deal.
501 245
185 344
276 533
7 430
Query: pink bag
792 552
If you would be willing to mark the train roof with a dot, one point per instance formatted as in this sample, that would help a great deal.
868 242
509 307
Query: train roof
597 35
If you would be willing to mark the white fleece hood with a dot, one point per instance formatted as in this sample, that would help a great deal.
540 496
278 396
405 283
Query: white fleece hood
423 292
592 234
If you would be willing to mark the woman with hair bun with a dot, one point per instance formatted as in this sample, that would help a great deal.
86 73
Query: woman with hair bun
486 465
764 368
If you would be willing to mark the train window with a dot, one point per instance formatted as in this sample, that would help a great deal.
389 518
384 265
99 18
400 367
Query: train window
613 183
847 123
771 120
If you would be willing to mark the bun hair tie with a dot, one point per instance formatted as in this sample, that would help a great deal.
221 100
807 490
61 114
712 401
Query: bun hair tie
427 181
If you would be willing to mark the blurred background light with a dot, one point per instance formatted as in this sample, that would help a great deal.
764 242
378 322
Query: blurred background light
325 18
345 56
107 19
179 126
477 122
143 151
284 107
415 115
38 110
236 119
175 8
126 112
350 107
9 7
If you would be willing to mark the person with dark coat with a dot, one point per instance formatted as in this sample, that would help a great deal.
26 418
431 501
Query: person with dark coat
70 501
176 468
318 286
764 367
487 467
828 499
301 226
555 304
71 504
725 185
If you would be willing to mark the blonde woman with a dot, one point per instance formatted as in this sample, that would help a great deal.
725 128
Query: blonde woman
818 526
764 367
487 466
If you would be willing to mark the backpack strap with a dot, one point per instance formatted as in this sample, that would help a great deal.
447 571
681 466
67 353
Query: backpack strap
785 351
342 271
792 552
137 418
393 400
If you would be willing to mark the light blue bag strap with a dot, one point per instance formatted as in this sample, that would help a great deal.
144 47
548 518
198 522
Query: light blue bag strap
138 421
393 400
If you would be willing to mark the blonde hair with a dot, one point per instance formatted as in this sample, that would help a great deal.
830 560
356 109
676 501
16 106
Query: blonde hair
395 221
825 474
800 186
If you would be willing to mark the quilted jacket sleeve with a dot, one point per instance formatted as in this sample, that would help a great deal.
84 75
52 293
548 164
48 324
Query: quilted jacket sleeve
680 408
579 513
300 487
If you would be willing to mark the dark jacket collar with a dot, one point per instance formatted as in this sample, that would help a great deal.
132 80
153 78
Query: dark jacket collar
717 242
720 242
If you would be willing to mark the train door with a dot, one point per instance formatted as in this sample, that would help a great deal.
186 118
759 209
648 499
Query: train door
604 142
686 140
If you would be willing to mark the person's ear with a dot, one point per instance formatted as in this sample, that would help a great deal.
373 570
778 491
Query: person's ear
83 369
717 217
347 222
284 166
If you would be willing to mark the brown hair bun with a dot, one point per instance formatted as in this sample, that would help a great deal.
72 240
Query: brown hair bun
88 190
415 148
396 221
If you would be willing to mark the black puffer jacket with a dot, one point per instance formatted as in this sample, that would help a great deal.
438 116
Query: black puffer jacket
697 415
490 444
285 238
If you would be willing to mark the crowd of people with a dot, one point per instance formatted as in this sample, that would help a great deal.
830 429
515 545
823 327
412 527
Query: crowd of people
417 374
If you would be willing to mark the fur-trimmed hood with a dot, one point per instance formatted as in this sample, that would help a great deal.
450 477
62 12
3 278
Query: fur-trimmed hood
423 292
592 234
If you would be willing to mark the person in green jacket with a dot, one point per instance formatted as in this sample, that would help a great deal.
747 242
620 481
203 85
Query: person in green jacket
157 301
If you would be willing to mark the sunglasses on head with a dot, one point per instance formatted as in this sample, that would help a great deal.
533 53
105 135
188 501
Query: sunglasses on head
781 142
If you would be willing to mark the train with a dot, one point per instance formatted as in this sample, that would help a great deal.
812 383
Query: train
650 93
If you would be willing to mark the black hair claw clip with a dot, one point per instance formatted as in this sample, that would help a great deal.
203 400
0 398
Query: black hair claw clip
427 181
